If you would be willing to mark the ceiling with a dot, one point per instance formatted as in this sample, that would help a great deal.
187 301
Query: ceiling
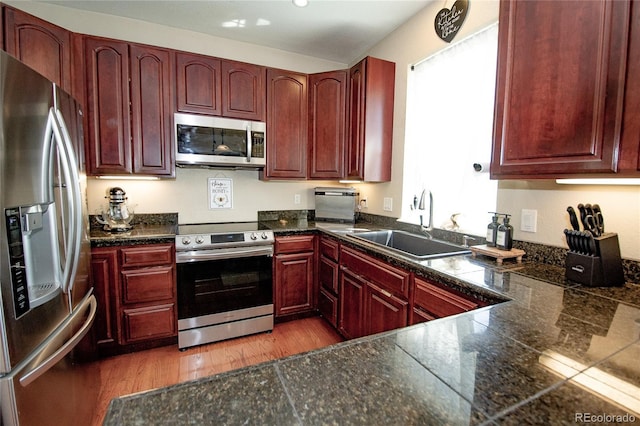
334 30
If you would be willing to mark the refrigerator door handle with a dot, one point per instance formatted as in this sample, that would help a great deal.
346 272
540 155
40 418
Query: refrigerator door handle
69 166
42 367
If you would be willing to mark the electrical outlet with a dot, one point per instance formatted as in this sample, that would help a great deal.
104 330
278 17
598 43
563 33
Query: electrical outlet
388 204
529 220
363 203
296 199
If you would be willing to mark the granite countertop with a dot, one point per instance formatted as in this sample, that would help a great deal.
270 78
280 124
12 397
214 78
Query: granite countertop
514 362
146 229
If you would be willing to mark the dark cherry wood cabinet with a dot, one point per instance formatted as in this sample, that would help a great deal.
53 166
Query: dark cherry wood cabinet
369 142
152 110
136 291
559 98
107 106
351 311
629 163
129 108
373 295
294 275
327 125
243 89
328 274
383 311
198 84
287 116
43 46
105 271
431 301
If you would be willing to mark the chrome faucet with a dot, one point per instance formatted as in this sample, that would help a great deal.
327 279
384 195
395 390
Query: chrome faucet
421 206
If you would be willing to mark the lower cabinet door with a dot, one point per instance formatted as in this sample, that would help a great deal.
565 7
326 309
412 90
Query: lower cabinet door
383 311
294 283
351 307
149 322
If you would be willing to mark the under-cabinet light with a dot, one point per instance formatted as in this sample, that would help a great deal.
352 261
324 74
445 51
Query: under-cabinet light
600 181
301 3
128 177
350 181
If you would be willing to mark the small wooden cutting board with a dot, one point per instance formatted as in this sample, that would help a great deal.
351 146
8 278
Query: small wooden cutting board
498 254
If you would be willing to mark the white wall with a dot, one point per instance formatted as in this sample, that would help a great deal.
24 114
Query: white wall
410 43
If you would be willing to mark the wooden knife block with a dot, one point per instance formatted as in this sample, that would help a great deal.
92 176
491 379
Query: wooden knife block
603 270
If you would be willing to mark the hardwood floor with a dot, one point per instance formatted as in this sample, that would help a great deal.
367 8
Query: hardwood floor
155 368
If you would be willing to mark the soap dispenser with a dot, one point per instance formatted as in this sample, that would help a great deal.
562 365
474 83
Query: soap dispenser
504 236
492 230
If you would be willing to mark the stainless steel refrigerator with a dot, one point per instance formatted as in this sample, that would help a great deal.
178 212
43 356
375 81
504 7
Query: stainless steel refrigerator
47 301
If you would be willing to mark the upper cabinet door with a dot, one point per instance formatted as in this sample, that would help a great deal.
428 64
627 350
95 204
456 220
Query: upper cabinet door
560 87
243 90
630 145
371 97
327 124
109 120
152 110
198 84
41 45
287 116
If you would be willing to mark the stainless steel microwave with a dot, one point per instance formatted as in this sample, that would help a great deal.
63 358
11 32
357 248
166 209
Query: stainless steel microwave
219 142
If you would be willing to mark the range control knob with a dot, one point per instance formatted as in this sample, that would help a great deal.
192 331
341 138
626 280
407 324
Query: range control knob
199 240
253 236
264 236
186 241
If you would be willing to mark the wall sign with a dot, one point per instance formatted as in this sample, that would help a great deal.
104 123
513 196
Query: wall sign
449 21
220 193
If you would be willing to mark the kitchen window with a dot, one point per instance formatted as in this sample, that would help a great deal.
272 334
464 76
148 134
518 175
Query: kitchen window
449 127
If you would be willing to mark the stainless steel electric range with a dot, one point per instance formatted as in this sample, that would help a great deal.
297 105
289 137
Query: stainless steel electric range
225 281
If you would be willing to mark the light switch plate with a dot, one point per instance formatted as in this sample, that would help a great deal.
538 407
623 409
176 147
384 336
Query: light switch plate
388 204
529 220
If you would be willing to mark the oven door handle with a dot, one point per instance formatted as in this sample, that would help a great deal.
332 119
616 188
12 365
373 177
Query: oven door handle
223 253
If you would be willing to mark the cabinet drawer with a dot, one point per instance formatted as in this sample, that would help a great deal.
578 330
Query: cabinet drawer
148 284
439 301
329 248
384 275
149 323
328 274
328 307
294 244
148 255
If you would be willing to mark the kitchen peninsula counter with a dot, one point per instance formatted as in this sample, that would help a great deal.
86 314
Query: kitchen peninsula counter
508 363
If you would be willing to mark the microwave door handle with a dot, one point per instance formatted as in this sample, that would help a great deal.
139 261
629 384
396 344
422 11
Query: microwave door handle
249 142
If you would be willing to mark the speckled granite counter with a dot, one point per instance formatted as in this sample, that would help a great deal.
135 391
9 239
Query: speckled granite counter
514 362
147 229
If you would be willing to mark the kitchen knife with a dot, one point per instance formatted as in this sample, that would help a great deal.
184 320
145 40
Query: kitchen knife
583 215
573 218
598 215
576 241
592 243
569 239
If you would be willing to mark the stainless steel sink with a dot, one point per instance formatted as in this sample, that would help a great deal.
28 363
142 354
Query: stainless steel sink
412 245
